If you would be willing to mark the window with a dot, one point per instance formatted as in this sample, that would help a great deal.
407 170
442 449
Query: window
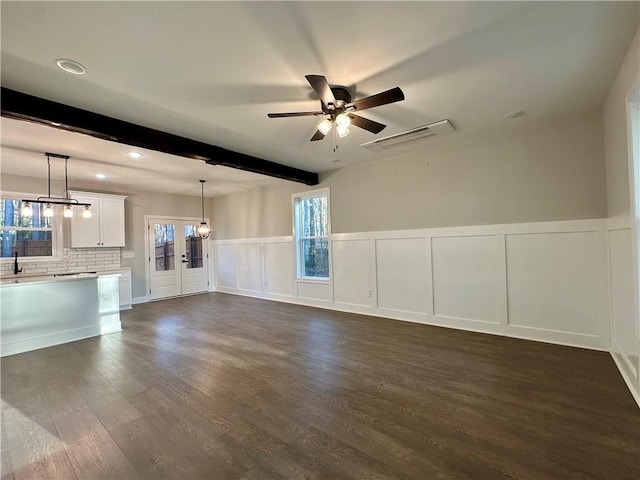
311 224
32 236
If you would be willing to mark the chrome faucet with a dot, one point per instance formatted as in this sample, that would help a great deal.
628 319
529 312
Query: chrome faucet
16 270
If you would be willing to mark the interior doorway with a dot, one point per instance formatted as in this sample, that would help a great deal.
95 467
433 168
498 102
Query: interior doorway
178 259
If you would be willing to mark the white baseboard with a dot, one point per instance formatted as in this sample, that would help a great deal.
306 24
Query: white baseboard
633 387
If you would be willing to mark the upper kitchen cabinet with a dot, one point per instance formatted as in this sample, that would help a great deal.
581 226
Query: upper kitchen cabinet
105 228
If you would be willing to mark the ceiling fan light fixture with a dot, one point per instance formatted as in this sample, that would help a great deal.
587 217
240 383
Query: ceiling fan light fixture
343 131
343 120
324 126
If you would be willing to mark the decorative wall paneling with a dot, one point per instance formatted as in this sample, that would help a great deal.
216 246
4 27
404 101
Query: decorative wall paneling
541 281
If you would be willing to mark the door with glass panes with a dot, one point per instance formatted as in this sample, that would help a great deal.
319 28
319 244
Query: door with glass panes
178 258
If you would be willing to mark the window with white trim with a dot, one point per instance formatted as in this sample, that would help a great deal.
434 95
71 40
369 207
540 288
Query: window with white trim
312 229
33 236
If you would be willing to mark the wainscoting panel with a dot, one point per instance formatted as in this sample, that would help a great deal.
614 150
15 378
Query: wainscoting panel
225 260
279 268
354 272
552 283
402 274
250 267
314 292
542 281
624 325
467 277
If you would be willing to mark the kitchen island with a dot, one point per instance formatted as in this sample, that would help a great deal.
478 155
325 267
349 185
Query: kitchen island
42 311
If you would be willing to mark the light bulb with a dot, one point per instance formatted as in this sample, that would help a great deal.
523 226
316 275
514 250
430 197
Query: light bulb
27 210
203 230
48 210
86 212
343 120
324 126
68 211
343 131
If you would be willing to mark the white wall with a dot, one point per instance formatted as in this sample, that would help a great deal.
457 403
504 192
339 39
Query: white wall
542 281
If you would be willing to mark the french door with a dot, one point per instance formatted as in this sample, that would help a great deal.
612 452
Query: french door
178 259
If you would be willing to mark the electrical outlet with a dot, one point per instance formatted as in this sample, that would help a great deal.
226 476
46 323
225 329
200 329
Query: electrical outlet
370 293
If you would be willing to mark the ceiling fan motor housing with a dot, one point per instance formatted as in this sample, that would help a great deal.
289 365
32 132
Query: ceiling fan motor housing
342 97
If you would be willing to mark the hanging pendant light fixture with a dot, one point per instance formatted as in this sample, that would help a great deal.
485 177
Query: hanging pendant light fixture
49 201
203 229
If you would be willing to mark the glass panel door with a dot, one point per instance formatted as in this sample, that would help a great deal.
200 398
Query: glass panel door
194 275
165 280
178 262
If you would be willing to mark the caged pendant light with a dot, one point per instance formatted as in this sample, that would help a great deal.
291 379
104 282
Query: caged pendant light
49 201
203 229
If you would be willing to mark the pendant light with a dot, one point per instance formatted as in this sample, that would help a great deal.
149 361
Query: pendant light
203 229
49 201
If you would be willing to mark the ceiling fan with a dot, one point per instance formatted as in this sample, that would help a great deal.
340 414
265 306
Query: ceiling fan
335 101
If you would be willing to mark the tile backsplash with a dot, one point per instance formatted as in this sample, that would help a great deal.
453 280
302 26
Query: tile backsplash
74 260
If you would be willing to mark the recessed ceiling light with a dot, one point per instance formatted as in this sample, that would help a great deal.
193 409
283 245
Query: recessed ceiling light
135 155
101 176
514 114
71 66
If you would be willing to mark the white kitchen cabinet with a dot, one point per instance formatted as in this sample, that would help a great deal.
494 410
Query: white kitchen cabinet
105 228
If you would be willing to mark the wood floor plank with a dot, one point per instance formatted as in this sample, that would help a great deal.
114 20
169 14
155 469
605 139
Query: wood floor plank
98 457
220 386
153 454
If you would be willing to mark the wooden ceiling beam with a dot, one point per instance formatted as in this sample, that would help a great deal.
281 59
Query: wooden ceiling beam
21 106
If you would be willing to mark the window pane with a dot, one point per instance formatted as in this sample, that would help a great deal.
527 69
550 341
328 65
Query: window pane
193 247
28 243
315 258
314 216
10 215
164 242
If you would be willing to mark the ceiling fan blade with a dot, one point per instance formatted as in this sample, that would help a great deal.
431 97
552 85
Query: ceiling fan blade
369 125
322 88
293 114
383 98
317 136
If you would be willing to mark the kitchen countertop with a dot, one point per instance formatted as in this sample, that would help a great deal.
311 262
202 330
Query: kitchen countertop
64 277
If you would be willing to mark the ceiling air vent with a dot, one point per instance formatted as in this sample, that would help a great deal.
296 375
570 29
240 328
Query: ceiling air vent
443 127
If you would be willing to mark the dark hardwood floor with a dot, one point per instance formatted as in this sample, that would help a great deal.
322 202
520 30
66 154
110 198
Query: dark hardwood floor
224 387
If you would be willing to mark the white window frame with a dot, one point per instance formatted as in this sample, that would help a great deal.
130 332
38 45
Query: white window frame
296 198
56 231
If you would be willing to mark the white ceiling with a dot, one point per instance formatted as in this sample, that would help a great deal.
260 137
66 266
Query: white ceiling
212 71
